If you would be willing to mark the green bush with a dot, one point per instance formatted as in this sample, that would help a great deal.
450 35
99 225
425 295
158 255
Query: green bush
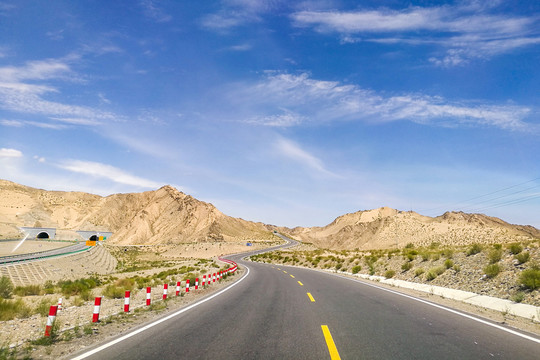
431 275
6 287
434 272
474 249
43 307
69 287
356 269
11 309
28 290
518 297
418 272
530 278
492 270
448 263
114 292
494 256
389 274
523 257
406 266
515 248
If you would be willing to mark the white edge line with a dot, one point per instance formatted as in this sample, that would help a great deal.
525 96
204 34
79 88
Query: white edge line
437 306
146 327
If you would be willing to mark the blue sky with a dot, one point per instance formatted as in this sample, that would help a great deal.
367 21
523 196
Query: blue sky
290 113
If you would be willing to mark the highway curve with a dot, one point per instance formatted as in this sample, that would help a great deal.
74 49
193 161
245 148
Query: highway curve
280 312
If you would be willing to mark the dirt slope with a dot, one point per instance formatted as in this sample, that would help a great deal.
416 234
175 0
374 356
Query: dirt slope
385 228
165 215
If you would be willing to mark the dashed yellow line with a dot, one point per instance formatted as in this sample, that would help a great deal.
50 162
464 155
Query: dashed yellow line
292 276
334 355
301 283
310 297
284 271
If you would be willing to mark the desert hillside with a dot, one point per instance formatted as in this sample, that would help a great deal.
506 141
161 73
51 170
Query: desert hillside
162 216
385 228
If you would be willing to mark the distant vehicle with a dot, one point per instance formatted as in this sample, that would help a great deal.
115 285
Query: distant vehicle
248 244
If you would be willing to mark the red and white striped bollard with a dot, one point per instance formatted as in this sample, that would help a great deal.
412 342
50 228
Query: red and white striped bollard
203 280
60 304
97 307
50 320
165 291
196 283
187 285
148 296
126 300
178 288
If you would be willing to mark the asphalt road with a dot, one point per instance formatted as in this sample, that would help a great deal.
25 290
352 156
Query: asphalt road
269 314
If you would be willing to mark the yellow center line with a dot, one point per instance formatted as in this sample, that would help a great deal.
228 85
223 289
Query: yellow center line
284 271
301 283
292 276
278 268
334 355
310 297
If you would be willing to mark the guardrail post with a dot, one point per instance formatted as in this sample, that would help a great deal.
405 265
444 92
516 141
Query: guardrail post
165 290
148 295
187 285
203 281
177 288
97 307
50 320
196 283
126 301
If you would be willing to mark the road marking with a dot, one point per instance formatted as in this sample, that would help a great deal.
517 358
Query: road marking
310 297
470 317
334 355
292 276
279 269
284 271
301 283
135 332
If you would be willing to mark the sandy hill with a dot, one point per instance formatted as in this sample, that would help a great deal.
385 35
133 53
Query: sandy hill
386 228
165 215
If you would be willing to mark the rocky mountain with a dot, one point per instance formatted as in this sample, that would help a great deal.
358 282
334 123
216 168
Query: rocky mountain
162 216
387 228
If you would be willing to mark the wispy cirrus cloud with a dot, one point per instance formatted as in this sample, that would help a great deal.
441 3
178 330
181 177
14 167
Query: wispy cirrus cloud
23 89
464 31
283 99
109 172
152 10
294 152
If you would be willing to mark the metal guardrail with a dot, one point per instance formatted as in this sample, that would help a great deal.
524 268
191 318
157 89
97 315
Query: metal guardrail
4 260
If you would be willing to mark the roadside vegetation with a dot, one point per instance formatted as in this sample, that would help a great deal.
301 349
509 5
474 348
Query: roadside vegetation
510 271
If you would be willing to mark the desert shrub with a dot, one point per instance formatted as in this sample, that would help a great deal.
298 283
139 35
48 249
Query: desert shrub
431 275
518 297
448 263
530 278
435 256
406 266
11 309
474 249
69 287
523 257
48 287
409 246
42 308
6 287
389 274
338 266
492 270
418 272
494 256
515 248
356 269
457 268
497 246
114 292
425 256
28 290
434 245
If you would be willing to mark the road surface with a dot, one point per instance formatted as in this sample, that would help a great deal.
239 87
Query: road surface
280 312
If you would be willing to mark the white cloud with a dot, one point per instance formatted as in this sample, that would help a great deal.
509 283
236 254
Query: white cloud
152 10
19 95
466 31
294 152
109 172
303 99
10 153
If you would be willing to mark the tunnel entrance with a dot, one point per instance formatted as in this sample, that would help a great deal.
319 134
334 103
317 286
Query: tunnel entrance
42 235
93 238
